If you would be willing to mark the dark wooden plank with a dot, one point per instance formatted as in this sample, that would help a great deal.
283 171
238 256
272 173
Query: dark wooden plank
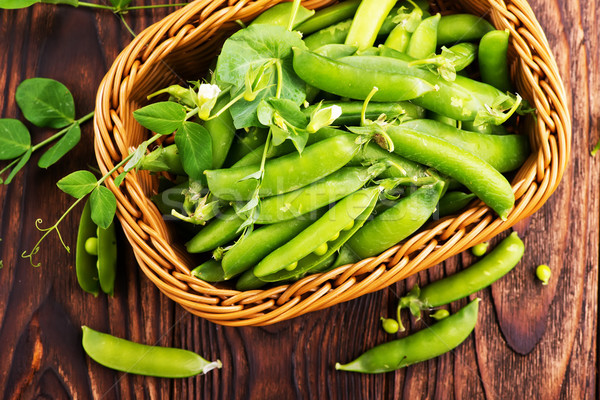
530 342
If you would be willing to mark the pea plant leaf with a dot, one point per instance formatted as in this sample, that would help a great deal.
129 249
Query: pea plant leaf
138 154
195 149
46 103
286 121
78 183
104 205
14 138
24 158
246 51
62 147
163 118
15 4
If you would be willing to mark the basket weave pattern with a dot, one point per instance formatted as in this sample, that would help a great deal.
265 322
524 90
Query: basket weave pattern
182 46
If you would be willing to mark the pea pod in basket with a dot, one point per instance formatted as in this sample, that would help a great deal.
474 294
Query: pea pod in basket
96 256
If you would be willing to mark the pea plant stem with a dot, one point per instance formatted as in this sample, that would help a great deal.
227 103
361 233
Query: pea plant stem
62 131
125 9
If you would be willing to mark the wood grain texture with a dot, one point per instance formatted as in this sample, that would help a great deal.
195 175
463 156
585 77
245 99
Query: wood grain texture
530 341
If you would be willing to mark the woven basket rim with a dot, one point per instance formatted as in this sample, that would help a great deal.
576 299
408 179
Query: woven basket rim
536 74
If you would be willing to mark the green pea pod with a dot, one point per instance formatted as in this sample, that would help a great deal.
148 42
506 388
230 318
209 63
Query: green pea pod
280 15
341 215
248 252
488 129
493 63
222 132
400 167
426 344
330 189
335 51
423 41
505 256
218 232
453 202
440 118
136 358
480 177
209 271
107 258
163 159
503 152
245 143
317 259
249 281
461 28
367 22
392 225
328 16
333 76
462 99
286 173
351 111
398 39
85 263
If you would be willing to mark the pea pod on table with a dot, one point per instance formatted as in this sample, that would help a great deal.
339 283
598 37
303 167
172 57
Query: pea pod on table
426 344
136 358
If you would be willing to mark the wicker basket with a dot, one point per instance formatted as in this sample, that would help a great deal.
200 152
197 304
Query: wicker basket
182 46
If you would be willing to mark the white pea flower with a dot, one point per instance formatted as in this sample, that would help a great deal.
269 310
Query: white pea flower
207 98
323 117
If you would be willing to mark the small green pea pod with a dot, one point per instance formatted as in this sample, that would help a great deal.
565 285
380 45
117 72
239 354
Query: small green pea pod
452 202
426 344
280 15
328 16
316 259
286 173
367 22
477 175
503 152
248 252
341 215
249 281
393 225
331 76
493 63
423 41
85 263
107 258
461 28
331 188
209 271
222 132
218 232
136 358
351 111
163 159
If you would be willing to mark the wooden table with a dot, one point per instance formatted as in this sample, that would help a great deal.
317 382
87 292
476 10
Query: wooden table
531 342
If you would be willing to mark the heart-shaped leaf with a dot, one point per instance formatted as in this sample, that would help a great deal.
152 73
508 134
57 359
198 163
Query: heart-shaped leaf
14 138
195 149
62 147
78 183
46 102
104 206
163 118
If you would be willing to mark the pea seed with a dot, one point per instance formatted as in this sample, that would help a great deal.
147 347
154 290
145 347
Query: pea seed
480 249
321 250
543 273
334 237
389 325
91 246
349 226
292 266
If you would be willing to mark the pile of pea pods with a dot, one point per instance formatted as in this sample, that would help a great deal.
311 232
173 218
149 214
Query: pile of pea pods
410 117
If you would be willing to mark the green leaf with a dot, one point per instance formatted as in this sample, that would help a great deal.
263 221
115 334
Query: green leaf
78 183
62 147
104 206
14 138
163 118
46 102
195 149
286 120
246 51
136 158
74 3
120 178
14 4
24 158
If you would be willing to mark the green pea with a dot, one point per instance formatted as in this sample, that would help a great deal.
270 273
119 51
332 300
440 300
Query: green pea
334 237
349 226
322 249
389 325
91 246
292 266
543 273
440 314
480 249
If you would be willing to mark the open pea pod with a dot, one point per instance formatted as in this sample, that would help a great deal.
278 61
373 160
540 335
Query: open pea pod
96 256
322 259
